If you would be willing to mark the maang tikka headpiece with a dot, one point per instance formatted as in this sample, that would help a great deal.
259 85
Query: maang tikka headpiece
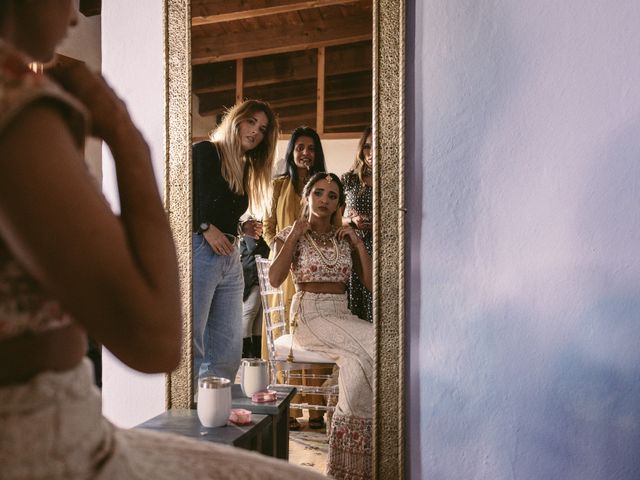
329 178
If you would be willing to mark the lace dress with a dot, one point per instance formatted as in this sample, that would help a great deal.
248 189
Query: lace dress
51 426
359 201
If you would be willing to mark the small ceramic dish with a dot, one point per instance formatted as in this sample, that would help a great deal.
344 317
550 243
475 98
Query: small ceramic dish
264 396
240 416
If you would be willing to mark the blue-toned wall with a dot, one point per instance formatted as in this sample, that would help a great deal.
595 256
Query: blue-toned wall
524 227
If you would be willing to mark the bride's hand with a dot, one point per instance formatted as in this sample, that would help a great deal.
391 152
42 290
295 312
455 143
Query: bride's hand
107 111
299 228
350 234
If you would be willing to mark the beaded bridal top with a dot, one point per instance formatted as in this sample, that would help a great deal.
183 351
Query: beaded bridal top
319 258
23 305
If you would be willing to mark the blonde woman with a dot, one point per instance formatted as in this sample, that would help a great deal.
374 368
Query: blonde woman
231 173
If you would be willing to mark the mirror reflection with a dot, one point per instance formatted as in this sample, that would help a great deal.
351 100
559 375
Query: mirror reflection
281 253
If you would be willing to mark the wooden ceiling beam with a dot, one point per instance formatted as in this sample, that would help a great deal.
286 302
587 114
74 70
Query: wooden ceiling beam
212 106
231 46
302 72
345 120
229 11
90 8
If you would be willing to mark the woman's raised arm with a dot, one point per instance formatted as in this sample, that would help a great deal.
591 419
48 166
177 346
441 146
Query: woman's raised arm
117 276
283 252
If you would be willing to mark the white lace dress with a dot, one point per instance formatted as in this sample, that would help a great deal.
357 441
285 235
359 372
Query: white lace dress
52 427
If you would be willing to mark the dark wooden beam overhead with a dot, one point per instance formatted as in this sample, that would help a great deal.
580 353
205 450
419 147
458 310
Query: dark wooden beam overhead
231 46
311 60
214 77
210 12
273 69
90 7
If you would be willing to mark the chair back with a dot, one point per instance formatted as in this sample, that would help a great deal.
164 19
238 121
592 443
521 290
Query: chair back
274 312
287 367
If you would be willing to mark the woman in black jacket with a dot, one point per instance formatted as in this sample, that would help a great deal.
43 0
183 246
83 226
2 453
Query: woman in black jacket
231 173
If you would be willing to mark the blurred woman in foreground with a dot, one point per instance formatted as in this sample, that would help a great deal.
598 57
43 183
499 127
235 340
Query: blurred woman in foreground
70 267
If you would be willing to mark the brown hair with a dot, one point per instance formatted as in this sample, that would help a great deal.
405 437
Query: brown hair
250 171
360 167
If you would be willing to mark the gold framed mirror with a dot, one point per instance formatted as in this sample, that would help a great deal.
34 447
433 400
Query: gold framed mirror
388 212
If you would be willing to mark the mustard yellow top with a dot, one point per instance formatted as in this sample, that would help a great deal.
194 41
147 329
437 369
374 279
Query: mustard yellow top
285 208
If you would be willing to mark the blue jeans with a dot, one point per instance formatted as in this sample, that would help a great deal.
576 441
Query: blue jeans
217 311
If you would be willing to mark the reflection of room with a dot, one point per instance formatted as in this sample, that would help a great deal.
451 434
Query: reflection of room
312 63
131 398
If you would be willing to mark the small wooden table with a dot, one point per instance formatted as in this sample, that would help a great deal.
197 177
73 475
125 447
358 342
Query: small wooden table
255 436
268 432
278 411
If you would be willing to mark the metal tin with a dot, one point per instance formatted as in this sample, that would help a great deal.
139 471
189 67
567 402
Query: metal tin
214 382
253 362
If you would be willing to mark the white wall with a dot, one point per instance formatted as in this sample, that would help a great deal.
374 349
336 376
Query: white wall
338 154
524 227
83 43
133 62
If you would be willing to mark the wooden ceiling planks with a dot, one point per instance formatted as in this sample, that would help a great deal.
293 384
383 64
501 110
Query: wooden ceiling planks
90 8
275 43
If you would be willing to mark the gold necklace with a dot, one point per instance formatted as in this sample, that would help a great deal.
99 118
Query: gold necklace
327 261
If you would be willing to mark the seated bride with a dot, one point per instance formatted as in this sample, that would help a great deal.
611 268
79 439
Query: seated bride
321 258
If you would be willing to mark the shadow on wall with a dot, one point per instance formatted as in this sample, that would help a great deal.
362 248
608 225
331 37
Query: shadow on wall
460 87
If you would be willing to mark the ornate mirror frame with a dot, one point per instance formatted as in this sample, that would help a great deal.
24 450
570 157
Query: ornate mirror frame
388 212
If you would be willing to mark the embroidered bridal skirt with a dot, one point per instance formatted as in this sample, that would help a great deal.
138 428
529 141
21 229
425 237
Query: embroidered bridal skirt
325 324
52 428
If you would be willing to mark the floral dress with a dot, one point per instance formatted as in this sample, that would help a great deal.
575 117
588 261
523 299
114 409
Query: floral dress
359 201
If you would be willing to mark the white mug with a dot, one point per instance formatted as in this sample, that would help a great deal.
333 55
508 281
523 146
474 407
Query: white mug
254 375
214 401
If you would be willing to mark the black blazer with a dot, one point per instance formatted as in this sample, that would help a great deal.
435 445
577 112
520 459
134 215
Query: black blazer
213 200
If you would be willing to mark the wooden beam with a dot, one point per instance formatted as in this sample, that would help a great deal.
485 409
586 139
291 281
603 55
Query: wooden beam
334 122
231 46
258 71
363 104
90 7
320 92
211 104
230 11
273 69
213 74
239 79
346 131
